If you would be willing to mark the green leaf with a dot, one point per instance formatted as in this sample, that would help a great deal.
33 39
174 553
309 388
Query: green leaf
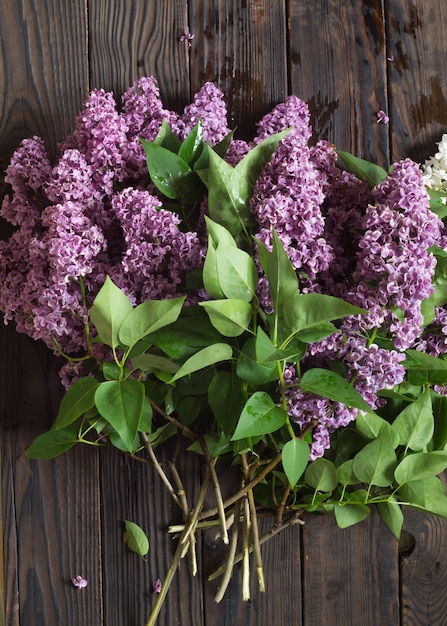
316 332
193 144
148 317
415 424
230 317
109 309
438 202
136 539
217 234
259 416
207 356
53 443
440 411
111 370
145 423
331 385
428 494
227 195
78 399
253 163
372 173
210 273
236 272
304 311
420 466
267 353
169 172
370 425
166 138
248 367
149 362
375 463
192 331
120 403
282 279
226 399
349 514
345 473
425 369
295 457
321 475
392 516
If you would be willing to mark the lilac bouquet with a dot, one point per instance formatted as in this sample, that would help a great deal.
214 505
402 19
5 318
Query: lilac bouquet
278 305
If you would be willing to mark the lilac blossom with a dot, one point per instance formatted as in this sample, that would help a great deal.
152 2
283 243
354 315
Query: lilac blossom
287 197
143 113
292 113
187 36
345 201
382 117
209 106
101 135
79 582
95 213
157 254
313 412
394 267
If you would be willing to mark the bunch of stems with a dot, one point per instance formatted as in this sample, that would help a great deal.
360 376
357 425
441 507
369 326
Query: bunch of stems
236 517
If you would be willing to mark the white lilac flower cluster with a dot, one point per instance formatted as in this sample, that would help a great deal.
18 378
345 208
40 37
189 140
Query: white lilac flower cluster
95 212
435 167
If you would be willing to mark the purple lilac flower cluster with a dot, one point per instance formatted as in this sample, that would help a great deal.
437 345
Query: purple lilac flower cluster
95 212
394 266
368 246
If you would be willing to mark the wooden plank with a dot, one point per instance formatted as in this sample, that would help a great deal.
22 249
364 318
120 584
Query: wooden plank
129 40
417 87
43 70
132 490
338 62
50 508
424 571
282 601
351 574
241 47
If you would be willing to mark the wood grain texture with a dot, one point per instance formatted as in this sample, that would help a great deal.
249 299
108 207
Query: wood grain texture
281 603
132 490
424 572
137 38
351 574
240 45
417 37
50 508
43 70
338 65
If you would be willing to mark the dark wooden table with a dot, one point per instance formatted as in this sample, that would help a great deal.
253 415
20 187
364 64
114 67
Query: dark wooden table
347 59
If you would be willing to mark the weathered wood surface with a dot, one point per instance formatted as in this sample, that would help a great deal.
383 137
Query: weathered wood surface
65 517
